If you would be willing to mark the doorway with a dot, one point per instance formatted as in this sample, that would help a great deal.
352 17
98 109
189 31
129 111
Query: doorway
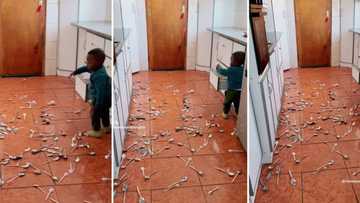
313 30
22 37
167 34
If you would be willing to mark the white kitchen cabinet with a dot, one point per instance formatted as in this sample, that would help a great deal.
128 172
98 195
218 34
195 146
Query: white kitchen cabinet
81 86
357 50
86 42
225 48
222 49
268 106
280 66
271 86
275 83
356 59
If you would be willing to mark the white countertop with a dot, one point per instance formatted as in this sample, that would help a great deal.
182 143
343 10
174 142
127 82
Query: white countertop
100 28
234 34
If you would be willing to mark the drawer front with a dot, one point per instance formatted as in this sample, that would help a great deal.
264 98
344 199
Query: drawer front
225 48
223 85
81 87
94 41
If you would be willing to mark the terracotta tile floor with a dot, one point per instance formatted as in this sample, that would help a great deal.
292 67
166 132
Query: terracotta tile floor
86 183
165 92
327 120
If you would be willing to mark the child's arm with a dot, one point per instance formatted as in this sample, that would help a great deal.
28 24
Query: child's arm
221 70
80 70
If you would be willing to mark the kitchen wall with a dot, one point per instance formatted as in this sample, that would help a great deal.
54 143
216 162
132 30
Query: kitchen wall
230 13
73 11
59 16
94 10
51 43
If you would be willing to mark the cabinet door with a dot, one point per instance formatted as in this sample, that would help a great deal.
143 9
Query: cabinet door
129 85
94 41
80 87
224 51
358 45
275 81
357 50
272 97
123 86
268 107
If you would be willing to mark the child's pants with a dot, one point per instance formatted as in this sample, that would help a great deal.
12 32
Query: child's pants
232 97
100 114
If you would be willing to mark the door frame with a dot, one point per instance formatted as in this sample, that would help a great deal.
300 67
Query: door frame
42 46
297 37
186 36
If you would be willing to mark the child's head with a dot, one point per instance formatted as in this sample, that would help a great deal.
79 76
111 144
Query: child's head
238 58
95 59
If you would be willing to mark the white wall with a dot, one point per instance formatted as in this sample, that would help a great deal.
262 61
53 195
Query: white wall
335 33
192 34
51 43
230 13
203 38
71 11
68 13
347 37
288 13
142 34
95 10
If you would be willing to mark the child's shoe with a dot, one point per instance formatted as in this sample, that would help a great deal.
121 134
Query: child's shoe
224 115
106 130
94 133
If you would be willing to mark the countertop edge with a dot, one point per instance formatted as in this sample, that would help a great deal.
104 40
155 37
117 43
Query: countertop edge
228 36
355 30
101 34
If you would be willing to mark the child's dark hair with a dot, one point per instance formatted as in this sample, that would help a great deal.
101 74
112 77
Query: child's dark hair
238 58
99 54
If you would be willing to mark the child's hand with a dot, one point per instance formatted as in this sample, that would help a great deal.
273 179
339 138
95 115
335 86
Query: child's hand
71 75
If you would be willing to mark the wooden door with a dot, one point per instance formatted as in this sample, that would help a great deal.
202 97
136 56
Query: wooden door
313 30
22 27
167 31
